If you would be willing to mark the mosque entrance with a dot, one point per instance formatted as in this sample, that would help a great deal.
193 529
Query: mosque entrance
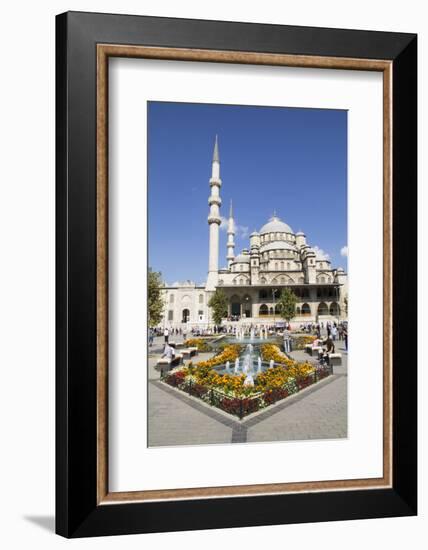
186 315
235 305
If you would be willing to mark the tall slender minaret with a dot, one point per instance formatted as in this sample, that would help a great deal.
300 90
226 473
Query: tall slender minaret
230 237
214 220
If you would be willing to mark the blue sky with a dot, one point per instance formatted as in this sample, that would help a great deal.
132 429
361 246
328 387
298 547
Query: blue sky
290 160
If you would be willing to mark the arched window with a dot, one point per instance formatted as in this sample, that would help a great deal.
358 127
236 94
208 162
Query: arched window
263 281
263 310
322 279
335 309
276 266
322 309
241 281
282 280
306 310
282 266
288 266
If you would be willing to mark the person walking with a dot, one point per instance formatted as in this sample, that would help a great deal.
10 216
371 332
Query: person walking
166 335
151 337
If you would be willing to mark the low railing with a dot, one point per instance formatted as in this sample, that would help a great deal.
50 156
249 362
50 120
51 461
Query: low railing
242 406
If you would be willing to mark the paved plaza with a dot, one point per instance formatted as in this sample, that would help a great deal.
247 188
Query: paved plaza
317 412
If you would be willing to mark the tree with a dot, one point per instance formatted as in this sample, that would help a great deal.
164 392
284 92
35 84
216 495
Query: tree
287 304
218 304
156 304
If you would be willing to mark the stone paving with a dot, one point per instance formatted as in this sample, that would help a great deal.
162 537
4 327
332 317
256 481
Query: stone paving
318 412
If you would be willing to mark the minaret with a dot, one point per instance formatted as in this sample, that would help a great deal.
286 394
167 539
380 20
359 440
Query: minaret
214 220
230 237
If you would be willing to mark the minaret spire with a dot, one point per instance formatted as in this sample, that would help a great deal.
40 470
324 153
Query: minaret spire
214 219
230 237
216 156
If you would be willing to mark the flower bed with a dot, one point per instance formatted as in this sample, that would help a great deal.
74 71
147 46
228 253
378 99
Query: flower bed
229 393
301 341
202 345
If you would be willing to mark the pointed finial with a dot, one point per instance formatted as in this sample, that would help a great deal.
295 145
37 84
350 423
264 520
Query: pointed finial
230 210
216 156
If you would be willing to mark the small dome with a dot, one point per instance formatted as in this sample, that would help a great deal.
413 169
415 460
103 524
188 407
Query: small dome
275 225
300 234
242 259
277 245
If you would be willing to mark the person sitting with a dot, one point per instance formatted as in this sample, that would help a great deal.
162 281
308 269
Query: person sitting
329 348
168 352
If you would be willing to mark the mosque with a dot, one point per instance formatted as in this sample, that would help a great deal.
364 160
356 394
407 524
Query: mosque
253 279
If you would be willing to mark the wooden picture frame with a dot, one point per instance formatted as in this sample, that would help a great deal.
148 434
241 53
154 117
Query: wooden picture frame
84 505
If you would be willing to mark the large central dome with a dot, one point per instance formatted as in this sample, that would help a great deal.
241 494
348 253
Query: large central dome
275 225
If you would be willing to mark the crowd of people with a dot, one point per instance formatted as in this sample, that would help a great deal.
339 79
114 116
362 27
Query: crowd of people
335 331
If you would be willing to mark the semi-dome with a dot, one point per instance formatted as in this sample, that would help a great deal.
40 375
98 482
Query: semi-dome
275 225
277 245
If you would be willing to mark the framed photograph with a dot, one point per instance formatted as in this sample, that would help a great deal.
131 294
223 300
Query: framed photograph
236 248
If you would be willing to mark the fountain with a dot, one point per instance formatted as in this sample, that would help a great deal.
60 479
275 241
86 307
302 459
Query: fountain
250 362
236 365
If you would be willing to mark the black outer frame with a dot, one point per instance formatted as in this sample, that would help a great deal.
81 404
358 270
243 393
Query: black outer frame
77 513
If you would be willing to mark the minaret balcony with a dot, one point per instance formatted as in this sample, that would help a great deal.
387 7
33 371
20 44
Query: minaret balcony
214 219
215 181
214 200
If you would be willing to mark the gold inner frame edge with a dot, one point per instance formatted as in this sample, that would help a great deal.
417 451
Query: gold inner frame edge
104 51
